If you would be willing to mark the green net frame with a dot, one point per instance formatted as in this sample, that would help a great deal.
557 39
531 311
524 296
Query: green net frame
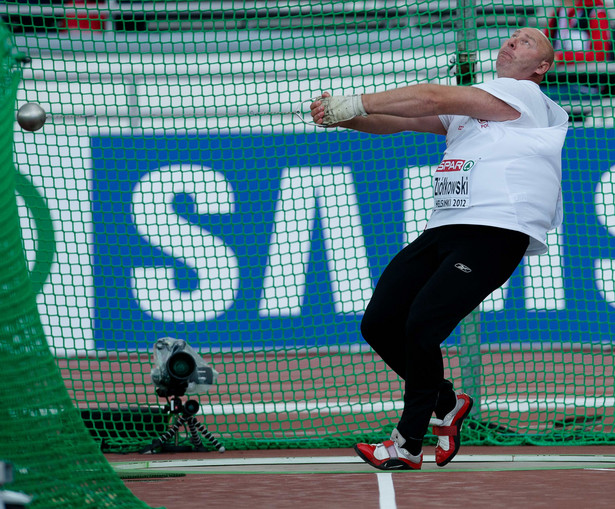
173 192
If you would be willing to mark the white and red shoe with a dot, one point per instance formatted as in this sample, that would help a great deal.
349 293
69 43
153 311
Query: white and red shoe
448 433
389 455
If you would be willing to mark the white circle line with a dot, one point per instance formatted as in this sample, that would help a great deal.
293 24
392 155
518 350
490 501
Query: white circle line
330 460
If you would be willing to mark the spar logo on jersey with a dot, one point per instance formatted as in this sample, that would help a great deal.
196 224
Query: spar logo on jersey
455 165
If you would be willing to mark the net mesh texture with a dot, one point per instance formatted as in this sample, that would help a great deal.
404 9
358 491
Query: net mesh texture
176 191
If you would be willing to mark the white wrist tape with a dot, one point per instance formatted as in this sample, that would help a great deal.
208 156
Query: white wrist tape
342 108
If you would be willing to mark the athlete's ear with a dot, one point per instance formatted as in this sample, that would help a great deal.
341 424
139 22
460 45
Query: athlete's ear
543 68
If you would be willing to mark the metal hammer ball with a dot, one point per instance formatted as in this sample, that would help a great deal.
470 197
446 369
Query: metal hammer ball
31 117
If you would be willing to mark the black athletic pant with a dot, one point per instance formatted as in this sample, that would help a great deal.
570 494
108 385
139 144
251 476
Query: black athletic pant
422 295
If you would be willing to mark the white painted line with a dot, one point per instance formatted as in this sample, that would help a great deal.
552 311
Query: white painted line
601 469
572 458
340 460
546 404
386 490
337 407
226 462
321 407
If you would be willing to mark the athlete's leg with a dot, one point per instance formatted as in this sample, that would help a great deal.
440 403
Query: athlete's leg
384 322
452 292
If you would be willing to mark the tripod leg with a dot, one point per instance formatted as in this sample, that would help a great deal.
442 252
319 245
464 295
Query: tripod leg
165 437
205 432
194 435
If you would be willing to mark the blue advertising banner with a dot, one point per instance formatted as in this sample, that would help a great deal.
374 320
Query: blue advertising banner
272 240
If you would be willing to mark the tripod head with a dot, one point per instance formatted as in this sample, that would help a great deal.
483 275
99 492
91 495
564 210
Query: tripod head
176 406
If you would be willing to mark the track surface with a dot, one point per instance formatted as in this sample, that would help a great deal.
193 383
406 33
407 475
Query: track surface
480 477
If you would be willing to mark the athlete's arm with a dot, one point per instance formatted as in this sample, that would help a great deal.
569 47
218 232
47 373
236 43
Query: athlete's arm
416 108
390 124
426 100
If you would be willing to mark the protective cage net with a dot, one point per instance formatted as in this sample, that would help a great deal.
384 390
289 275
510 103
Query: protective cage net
54 459
173 192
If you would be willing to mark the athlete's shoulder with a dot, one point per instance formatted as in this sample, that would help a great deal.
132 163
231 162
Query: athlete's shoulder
510 84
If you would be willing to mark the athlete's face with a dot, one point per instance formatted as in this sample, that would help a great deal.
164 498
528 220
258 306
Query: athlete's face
525 55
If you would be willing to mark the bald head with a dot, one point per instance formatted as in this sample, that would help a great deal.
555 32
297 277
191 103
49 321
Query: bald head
526 55
544 43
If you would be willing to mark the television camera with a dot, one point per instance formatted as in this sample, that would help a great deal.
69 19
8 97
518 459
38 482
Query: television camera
179 369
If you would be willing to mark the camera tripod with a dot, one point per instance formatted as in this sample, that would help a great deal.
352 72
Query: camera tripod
184 413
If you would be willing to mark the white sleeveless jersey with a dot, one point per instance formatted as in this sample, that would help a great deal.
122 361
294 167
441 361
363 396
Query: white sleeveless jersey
504 174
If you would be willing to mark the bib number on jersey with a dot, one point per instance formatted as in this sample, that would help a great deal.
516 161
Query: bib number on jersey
451 184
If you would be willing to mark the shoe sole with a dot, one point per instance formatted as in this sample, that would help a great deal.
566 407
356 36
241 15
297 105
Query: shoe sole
457 442
392 464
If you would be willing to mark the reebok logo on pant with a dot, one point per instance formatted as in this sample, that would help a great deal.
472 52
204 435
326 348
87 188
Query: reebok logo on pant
463 268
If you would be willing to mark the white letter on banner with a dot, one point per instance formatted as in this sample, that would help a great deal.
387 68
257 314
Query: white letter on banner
418 202
302 191
216 265
604 269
